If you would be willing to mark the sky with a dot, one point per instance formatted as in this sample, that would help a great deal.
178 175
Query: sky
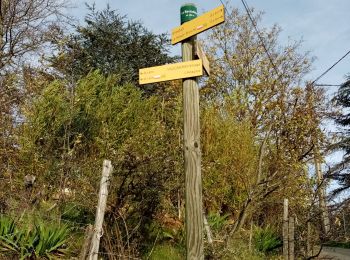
323 25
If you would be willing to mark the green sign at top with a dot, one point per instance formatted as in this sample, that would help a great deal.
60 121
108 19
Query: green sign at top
188 12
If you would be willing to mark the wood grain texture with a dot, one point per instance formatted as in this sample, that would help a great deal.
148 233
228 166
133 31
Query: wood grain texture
100 211
201 55
192 156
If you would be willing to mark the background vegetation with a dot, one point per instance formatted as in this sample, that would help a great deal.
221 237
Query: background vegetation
80 103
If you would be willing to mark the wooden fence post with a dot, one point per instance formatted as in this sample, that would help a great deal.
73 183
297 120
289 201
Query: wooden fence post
345 234
207 229
285 230
308 239
87 242
251 235
291 238
100 211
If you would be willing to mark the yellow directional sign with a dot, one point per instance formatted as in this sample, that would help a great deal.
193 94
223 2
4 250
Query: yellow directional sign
197 25
179 70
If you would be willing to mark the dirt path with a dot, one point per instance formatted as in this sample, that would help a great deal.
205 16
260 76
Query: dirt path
335 253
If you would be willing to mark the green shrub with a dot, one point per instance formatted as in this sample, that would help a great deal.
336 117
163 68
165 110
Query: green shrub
51 239
216 221
8 234
265 239
43 240
76 214
167 251
238 249
337 244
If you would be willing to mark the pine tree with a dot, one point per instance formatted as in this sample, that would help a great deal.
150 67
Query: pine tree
340 172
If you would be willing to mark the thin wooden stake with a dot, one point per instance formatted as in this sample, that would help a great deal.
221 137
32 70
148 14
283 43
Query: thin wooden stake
251 235
101 207
345 235
207 229
87 241
291 238
308 239
285 229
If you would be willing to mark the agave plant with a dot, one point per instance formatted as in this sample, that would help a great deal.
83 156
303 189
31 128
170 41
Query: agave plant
52 240
43 241
266 239
7 235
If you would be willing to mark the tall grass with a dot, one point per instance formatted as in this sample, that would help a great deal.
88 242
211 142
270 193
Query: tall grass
266 240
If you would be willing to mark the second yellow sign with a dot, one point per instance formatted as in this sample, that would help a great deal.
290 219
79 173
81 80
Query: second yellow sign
179 70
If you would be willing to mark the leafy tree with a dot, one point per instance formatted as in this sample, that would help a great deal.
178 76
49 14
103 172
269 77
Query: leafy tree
279 117
111 43
26 26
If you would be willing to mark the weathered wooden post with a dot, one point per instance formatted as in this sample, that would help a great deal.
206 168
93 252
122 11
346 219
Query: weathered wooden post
345 235
308 239
100 211
291 238
207 229
192 151
87 242
285 230
251 235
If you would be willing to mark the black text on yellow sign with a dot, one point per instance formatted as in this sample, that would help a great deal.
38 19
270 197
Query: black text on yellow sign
167 72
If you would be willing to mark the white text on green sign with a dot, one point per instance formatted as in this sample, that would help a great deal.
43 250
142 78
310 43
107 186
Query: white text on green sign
198 25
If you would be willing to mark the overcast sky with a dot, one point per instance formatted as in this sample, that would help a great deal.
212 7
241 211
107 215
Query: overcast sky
322 24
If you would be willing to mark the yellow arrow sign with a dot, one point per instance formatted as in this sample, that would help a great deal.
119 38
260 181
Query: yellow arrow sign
179 70
198 25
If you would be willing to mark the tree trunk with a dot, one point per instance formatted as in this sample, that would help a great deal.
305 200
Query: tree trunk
322 196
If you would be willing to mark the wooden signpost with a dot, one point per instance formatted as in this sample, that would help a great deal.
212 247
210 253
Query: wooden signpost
188 70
